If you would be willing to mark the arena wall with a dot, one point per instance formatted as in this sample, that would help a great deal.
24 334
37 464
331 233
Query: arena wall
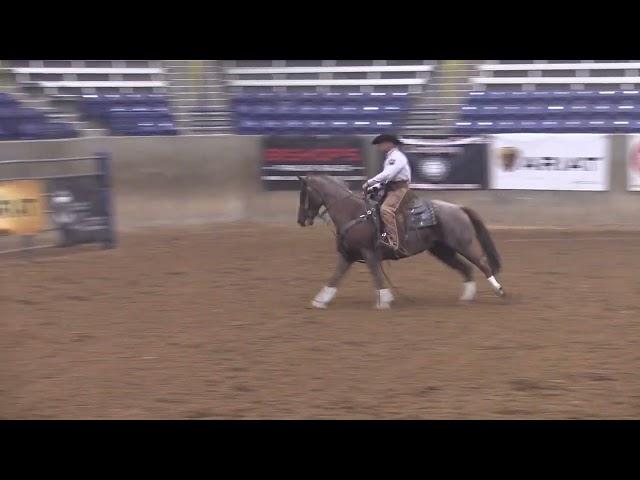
194 179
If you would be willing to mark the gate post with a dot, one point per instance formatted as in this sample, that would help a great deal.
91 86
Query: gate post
106 187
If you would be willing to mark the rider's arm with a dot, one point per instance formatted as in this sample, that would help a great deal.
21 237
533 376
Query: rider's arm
389 173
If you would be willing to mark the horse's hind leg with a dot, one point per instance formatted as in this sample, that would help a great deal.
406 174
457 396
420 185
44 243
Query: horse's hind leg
328 293
476 255
449 257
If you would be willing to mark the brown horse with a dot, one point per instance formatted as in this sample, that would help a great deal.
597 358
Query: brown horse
458 232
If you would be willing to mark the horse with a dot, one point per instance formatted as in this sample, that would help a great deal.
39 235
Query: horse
457 233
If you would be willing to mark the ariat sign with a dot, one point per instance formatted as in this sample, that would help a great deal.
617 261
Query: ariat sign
633 164
21 211
531 161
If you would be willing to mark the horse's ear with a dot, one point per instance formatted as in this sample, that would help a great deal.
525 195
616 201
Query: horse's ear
302 179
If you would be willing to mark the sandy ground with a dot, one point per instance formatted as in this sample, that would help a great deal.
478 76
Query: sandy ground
213 322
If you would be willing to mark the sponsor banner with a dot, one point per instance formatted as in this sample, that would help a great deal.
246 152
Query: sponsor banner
447 164
286 157
79 209
633 164
21 207
535 161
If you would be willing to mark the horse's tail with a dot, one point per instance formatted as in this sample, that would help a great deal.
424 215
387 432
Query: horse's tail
485 239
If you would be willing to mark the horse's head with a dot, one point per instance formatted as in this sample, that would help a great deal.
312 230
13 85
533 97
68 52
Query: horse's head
310 202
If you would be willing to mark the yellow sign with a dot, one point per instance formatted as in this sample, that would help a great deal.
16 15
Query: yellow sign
21 207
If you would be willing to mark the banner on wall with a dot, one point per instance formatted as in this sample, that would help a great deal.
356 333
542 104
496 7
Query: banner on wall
447 164
633 164
286 157
534 161
21 207
79 209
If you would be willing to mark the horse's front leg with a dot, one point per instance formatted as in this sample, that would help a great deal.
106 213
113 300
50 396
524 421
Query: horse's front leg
384 297
328 293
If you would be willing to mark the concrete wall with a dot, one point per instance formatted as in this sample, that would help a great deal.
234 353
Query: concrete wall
164 180
192 179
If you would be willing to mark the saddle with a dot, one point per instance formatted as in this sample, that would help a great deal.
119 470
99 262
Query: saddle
418 213
412 215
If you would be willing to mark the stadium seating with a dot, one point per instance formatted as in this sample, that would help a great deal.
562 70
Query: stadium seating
69 77
579 111
130 114
338 76
283 114
21 123
558 75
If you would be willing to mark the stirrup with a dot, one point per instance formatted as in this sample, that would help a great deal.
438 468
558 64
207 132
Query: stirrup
384 240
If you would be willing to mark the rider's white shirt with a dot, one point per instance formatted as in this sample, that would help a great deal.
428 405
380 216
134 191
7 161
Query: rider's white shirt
396 169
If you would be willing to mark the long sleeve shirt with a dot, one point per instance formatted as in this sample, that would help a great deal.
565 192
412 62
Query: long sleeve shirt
396 169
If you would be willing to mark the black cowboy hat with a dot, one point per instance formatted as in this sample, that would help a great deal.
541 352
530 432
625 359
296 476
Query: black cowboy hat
384 138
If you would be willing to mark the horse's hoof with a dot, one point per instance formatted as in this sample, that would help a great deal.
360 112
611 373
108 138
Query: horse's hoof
468 292
316 304
383 306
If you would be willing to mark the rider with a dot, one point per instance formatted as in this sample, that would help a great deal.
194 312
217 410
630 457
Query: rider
396 176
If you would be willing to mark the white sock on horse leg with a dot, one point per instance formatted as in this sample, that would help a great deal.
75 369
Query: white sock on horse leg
384 298
385 295
494 283
468 291
324 296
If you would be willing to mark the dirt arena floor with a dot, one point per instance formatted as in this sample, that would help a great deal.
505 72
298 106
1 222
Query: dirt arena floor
213 322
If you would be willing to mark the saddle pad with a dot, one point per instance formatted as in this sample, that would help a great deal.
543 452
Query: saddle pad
421 214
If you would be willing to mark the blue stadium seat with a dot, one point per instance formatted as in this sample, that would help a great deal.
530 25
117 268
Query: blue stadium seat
308 110
476 98
483 126
556 111
533 111
583 96
512 111
604 110
528 126
293 127
605 97
264 110
627 111
505 126
469 111
550 126
498 97
630 96
31 131
622 126
560 97
574 126
601 125
464 127
341 126
579 109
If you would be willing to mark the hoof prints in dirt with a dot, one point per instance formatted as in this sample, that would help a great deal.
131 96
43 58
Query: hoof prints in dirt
233 339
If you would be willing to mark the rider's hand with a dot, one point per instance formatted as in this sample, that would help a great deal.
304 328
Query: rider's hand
365 186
